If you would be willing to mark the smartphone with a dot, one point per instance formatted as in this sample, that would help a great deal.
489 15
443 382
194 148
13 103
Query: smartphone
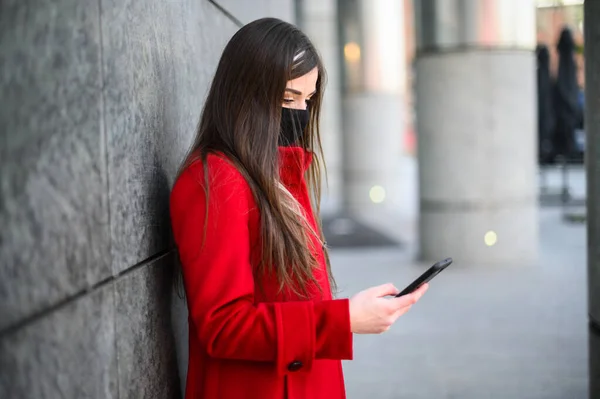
426 277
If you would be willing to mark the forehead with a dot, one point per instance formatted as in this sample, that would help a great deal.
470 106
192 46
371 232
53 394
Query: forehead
306 83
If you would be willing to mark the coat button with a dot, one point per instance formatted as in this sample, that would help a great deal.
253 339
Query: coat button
295 366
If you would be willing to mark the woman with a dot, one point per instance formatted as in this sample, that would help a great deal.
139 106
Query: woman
566 91
263 323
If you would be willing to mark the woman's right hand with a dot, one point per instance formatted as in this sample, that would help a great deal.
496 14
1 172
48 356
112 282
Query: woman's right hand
372 313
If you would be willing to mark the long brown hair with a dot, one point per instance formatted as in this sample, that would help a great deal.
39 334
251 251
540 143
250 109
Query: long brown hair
241 119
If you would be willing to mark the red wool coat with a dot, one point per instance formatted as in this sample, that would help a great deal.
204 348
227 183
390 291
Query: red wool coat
245 342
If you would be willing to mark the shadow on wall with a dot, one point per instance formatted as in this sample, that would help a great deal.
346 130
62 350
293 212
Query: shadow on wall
148 364
169 297
179 325
168 349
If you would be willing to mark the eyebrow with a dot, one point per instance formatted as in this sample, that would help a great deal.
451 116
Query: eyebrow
298 92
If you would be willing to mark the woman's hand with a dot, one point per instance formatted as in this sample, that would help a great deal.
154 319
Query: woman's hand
372 313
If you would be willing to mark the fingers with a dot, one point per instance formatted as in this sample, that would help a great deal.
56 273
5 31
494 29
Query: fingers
399 306
404 300
401 311
410 299
384 290
422 289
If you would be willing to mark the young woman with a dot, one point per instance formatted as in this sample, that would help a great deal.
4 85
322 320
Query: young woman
262 320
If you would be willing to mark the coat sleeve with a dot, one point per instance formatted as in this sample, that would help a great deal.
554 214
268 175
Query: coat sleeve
220 286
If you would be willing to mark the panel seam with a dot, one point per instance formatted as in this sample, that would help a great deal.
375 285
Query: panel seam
81 294
226 13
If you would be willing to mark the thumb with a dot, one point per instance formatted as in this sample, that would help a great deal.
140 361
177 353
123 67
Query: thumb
405 300
383 290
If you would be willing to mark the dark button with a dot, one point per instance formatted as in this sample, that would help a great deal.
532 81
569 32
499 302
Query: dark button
295 366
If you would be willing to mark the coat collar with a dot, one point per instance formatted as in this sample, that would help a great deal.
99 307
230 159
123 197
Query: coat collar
293 164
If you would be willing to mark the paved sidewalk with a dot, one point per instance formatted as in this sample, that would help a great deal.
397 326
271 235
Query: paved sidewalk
501 332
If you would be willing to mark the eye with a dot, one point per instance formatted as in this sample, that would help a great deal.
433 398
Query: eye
288 100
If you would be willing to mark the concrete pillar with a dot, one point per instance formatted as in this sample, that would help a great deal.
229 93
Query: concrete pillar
476 129
594 361
318 19
592 128
373 54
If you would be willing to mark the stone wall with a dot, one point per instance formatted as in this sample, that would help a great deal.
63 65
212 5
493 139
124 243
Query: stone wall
100 99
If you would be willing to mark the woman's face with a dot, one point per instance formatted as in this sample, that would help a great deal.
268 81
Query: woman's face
299 91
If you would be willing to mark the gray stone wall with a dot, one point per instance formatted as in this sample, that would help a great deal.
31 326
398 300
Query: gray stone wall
100 99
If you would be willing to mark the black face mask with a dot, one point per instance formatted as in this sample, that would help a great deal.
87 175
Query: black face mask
293 124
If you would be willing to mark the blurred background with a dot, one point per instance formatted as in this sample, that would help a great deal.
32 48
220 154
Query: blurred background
451 128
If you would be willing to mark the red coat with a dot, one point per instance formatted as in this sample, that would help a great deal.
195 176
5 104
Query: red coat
247 343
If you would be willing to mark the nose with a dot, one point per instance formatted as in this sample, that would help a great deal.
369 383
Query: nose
303 105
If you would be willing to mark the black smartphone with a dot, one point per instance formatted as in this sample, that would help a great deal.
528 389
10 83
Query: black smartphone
426 277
